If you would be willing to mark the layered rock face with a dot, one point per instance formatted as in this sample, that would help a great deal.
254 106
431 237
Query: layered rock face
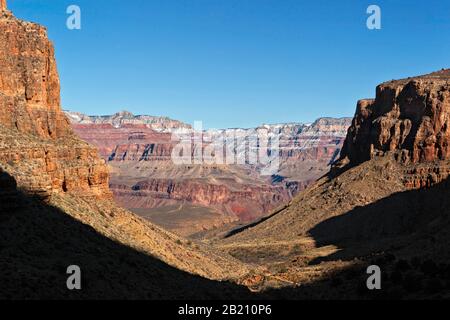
410 117
243 203
29 86
127 142
48 157
124 118
308 152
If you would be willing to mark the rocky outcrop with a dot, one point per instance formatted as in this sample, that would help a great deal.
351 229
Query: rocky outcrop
29 86
3 5
47 168
386 201
319 141
409 117
37 140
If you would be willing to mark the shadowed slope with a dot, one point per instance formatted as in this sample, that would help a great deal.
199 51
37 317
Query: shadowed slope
414 222
39 241
406 233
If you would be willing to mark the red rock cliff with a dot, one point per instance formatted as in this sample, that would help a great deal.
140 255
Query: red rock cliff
29 86
410 118
37 145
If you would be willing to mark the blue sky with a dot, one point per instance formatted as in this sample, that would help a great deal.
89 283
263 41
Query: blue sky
237 63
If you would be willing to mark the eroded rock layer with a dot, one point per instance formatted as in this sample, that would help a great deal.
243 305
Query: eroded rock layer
52 159
409 116
29 86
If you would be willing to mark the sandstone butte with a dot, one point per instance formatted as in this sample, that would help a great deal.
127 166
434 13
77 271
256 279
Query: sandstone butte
397 142
409 118
386 202
41 157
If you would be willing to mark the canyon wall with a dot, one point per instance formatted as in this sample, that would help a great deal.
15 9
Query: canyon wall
243 203
410 119
48 156
144 176
124 118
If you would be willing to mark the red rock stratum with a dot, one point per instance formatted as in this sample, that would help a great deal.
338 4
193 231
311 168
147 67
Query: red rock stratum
409 116
30 105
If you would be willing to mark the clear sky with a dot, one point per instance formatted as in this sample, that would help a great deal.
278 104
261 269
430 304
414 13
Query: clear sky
237 63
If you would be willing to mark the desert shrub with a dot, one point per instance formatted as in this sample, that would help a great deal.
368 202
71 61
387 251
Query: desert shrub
282 269
296 249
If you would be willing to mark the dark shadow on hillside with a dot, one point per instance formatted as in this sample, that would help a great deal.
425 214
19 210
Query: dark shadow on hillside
417 278
389 223
252 224
38 242
407 235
